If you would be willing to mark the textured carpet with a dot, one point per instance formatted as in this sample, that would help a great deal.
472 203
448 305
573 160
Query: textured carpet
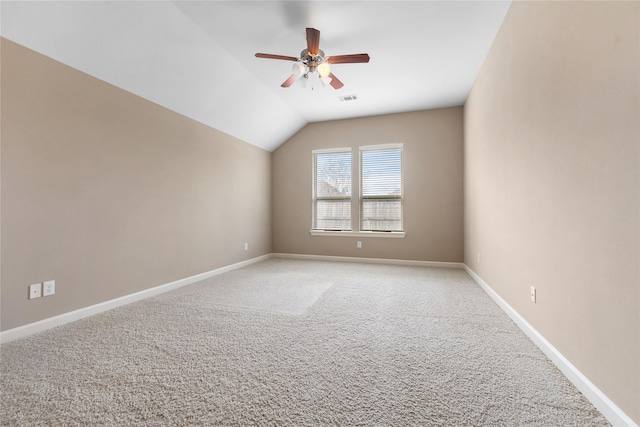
290 342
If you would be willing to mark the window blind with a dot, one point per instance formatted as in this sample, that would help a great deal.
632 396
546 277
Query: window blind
332 190
381 189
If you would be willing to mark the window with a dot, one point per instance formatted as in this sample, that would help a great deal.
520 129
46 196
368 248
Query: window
379 203
332 189
381 188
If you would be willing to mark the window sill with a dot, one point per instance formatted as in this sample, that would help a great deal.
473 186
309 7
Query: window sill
387 234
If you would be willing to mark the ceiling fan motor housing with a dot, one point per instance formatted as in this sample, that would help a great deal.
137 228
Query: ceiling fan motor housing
312 61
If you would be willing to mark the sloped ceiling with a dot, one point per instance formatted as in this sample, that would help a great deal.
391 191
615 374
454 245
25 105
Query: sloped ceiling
197 57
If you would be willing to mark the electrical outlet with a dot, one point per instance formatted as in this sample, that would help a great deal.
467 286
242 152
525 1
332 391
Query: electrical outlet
359 245
48 288
35 291
246 246
478 257
533 294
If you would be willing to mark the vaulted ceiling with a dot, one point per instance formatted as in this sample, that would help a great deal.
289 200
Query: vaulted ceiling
197 57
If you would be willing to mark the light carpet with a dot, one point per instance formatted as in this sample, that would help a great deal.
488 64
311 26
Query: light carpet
294 343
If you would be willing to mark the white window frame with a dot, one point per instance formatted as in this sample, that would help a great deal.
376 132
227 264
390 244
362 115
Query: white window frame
355 165
362 198
314 197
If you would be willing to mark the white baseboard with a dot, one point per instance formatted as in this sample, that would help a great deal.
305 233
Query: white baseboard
610 410
370 260
51 322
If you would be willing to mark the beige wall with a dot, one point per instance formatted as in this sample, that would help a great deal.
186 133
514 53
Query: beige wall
109 194
433 161
552 182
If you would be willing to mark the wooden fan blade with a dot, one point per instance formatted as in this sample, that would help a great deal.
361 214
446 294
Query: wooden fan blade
348 59
270 56
335 83
291 80
313 41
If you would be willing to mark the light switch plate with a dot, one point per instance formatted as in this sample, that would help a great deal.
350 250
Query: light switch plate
48 288
35 291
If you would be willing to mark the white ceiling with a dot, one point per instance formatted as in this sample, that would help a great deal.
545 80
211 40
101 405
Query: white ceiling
197 57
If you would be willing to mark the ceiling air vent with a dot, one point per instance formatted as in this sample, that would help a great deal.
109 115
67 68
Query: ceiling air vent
348 98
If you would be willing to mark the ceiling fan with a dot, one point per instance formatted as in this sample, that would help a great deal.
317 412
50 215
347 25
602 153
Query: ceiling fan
312 59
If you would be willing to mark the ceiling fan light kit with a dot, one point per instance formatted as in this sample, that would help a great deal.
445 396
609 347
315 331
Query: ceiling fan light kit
313 60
